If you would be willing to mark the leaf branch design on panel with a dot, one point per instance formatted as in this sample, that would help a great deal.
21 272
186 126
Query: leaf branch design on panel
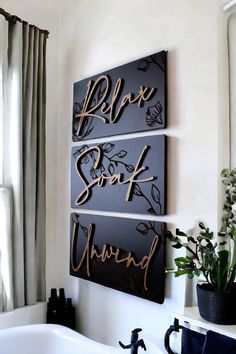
75 220
144 65
114 159
144 228
108 165
155 194
154 115
154 112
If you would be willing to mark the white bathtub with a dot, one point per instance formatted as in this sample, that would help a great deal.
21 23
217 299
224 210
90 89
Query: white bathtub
54 339
23 316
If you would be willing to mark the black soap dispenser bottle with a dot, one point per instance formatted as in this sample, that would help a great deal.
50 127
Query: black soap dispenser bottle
52 307
61 307
70 314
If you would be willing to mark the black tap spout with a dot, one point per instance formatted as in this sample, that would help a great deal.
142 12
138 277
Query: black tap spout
135 343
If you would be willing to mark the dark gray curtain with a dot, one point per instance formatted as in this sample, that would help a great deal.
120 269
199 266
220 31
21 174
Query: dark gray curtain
24 157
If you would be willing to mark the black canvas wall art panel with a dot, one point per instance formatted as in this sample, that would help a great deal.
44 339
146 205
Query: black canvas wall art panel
124 254
127 176
129 98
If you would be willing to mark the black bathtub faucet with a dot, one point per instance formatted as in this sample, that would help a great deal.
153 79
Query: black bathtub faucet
135 343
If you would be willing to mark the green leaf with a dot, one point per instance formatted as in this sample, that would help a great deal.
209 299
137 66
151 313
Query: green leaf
233 233
177 245
225 172
184 259
171 237
206 234
223 264
181 233
169 270
182 272
190 275
209 260
192 239
201 225
197 272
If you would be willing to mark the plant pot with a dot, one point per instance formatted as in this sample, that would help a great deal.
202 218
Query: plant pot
217 307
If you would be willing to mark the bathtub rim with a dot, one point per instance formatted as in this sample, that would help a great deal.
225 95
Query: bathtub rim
56 330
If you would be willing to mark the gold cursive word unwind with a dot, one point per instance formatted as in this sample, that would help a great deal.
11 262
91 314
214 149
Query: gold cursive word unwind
107 252
115 178
144 94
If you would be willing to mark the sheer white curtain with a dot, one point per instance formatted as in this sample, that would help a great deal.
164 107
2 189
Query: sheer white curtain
6 284
6 269
22 160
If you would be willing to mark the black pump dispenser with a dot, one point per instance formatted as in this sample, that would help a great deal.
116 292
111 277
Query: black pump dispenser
60 310
62 299
52 307
70 314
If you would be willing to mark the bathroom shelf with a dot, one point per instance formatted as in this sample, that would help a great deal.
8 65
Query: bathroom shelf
190 318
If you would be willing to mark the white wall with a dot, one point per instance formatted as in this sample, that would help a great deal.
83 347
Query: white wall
88 37
98 35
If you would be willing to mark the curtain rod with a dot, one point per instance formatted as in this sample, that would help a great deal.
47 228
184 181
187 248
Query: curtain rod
13 18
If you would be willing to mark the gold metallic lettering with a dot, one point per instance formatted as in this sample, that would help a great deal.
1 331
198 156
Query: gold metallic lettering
91 252
116 178
144 94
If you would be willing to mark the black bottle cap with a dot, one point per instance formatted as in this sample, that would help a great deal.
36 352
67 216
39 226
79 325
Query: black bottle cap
61 293
53 292
69 303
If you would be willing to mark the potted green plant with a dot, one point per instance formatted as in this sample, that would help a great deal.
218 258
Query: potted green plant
214 258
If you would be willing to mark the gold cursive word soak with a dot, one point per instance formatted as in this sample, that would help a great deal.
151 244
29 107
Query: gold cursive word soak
115 178
144 94
107 252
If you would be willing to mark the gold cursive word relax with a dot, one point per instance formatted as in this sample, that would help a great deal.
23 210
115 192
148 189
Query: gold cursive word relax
115 178
144 94
91 252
